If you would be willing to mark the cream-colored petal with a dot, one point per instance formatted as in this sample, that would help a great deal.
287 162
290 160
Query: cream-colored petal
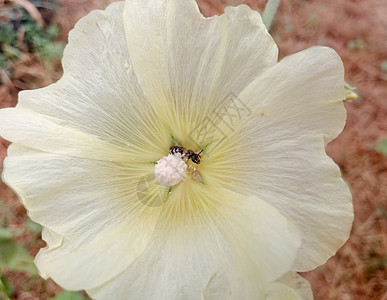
306 186
96 262
68 194
279 153
227 245
195 63
280 291
303 94
95 222
36 131
290 286
98 99
300 285
52 239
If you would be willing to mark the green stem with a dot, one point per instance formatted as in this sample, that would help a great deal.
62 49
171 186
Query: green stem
270 10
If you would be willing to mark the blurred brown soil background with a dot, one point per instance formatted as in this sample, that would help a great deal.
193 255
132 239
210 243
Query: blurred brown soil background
357 30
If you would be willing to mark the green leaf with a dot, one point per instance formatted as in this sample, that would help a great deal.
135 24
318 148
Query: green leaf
3 61
7 35
53 31
5 234
270 10
52 50
357 44
13 255
67 295
5 288
33 226
350 92
381 146
383 65
11 52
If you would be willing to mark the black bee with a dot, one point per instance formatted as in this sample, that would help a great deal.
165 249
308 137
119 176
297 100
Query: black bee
186 153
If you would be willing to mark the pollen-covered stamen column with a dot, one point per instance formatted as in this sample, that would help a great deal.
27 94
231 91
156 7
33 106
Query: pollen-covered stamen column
171 170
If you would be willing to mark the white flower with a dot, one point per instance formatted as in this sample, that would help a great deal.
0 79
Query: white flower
146 75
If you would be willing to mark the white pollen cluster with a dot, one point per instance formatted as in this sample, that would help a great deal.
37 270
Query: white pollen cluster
170 170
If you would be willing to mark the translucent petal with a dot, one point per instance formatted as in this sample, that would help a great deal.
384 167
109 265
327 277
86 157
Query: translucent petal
300 285
277 153
191 62
290 286
302 95
306 186
36 131
95 222
97 261
97 102
224 243
277 290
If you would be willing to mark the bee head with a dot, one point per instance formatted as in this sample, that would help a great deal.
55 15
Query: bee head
195 158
